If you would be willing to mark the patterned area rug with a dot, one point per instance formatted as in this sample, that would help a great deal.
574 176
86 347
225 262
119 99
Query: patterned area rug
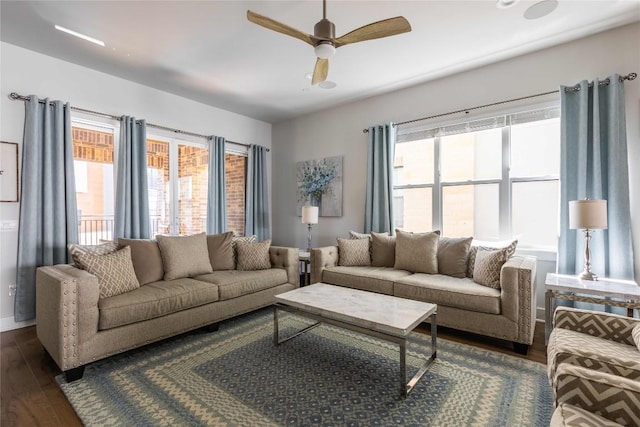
325 377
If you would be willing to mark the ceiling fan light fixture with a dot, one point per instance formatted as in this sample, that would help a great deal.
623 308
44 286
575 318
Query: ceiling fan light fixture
325 50
504 4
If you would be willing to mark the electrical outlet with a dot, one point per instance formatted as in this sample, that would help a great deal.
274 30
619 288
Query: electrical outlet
12 289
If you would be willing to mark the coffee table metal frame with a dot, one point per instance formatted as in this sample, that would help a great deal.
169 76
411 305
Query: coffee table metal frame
405 387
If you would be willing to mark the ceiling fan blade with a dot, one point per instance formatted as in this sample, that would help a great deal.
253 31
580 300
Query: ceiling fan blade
321 71
274 25
376 30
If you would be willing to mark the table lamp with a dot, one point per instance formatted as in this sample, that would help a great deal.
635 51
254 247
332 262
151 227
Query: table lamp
309 217
587 215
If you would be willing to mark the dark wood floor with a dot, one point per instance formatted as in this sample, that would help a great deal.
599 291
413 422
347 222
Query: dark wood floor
31 397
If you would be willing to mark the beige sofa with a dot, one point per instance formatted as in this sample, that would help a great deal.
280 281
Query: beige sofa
77 326
507 313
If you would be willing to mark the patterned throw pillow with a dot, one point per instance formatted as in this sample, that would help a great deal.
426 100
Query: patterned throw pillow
488 265
234 245
417 252
473 250
253 256
356 235
114 271
352 252
184 256
383 250
106 248
635 333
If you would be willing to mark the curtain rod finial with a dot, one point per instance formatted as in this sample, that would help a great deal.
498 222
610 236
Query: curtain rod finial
14 96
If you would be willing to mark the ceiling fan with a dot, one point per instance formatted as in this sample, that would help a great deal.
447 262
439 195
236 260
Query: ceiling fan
324 40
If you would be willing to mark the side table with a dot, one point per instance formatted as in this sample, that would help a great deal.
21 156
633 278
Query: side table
618 293
305 264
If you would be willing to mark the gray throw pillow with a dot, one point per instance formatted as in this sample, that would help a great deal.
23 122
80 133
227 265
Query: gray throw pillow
473 250
383 250
221 251
356 235
352 252
184 256
488 265
417 252
146 258
114 271
453 253
253 256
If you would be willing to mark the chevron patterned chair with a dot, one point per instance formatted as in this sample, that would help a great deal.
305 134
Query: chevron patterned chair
594 368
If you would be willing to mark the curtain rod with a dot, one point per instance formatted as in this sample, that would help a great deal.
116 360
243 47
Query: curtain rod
14 96
630 76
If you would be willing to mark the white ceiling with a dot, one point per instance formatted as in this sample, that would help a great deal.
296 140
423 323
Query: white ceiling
208 51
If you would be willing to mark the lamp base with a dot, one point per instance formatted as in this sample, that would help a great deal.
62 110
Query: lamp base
587 275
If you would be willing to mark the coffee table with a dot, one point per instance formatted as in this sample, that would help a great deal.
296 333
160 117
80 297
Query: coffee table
377 315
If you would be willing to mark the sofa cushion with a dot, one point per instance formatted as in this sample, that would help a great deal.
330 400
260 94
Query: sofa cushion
234 283
449 291
114 271
383 250
417 252
154 300
375 279
635 334
567 415
488 266
234 245
253 256
453 254
102 249
221 251
146 258
184 256
473 250
353 252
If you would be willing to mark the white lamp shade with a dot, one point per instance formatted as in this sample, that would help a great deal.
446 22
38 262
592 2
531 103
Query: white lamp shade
309 214
591 214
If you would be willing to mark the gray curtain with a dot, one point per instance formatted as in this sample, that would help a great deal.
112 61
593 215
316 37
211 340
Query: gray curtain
257 197
378 212
594 165
48 216
217 187
132 195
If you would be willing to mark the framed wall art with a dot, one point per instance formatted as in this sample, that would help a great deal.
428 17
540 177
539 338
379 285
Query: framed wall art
8 172
320 184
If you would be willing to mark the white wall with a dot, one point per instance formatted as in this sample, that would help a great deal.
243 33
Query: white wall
27 72
338 131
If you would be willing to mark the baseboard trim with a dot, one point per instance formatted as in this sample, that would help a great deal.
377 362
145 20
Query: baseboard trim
9 324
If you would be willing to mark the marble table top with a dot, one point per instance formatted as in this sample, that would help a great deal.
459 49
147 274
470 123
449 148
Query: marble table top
605 287
384 313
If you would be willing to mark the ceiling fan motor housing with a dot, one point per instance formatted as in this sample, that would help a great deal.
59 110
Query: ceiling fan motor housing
325 29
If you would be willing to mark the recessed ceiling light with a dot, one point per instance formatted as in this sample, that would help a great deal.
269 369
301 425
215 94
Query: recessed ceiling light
77 34
503 4
540 9
327 84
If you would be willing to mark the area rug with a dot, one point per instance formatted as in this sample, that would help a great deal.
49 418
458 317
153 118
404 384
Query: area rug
325 377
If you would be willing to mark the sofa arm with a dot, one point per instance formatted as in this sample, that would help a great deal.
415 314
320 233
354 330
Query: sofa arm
610 396
66 311
322 258
518 295
287 258
608 326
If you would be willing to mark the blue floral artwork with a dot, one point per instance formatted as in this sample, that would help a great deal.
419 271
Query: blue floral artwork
320 184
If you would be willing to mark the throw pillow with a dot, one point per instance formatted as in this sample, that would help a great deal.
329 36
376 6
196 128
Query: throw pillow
114 271
221 251
473 250
253 256
487 267
635 333
417 252
234 245
453 254
356 235
353 252
184 256
383 250
106 248
146 258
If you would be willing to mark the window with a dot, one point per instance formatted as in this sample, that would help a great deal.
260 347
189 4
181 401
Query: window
93 154
491 178
236 177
